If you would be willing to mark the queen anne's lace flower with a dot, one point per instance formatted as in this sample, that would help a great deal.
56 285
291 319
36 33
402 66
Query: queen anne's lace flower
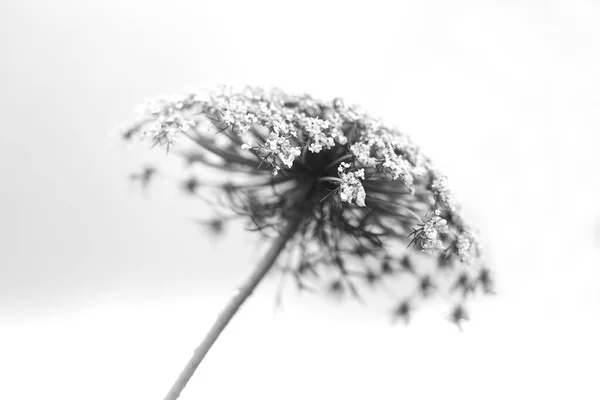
280 147
168 122
362 152
467 246
433 226
351 190
429 235
442 193
359 186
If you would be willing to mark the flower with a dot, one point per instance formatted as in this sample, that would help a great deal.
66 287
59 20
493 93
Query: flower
358 187
351 190
442 194
467 246
432 228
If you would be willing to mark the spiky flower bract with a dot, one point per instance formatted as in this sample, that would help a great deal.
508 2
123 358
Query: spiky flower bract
368 199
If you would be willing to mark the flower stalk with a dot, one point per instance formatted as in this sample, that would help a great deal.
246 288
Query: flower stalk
349 190
234 304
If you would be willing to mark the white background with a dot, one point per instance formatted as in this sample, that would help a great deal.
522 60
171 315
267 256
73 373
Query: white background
104 291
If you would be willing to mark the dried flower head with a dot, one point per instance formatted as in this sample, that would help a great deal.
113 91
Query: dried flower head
362 190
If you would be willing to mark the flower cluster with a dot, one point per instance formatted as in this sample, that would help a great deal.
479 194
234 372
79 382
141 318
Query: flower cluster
442 193
351 190
168 121
467 247
359 187
431 231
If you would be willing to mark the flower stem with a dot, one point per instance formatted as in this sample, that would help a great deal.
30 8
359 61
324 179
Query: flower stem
339 160
329 179
239 297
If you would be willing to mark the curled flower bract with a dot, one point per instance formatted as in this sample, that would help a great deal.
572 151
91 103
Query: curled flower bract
361 190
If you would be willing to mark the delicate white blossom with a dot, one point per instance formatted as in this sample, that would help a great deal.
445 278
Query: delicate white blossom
351 190
280 147
442 193
317 161
433 226
467 246
362 152
318 133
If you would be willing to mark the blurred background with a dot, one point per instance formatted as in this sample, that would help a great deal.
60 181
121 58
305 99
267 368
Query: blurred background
105 289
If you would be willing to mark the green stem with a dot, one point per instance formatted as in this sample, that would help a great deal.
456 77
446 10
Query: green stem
232 307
